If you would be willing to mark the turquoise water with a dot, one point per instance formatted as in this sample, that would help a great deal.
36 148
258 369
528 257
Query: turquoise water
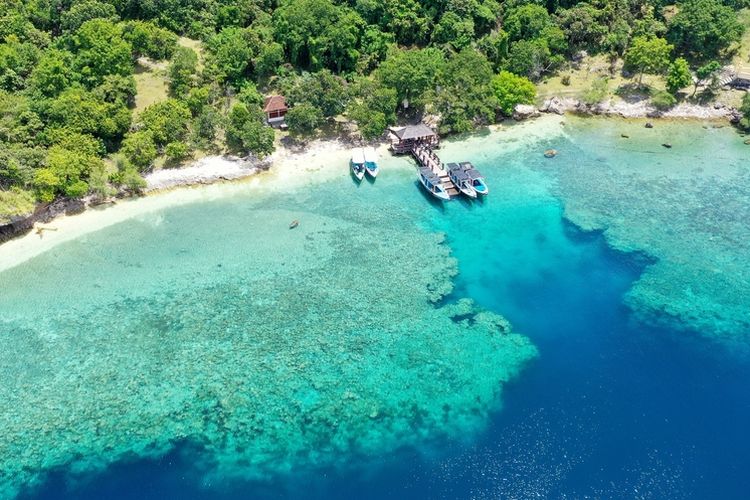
208 351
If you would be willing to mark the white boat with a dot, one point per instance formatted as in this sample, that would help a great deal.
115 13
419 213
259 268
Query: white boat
371 162
476 177
461 180
357 164
432 184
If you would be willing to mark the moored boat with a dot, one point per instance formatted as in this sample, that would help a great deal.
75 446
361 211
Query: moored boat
461 180
357 164
476 178
371 162
432 183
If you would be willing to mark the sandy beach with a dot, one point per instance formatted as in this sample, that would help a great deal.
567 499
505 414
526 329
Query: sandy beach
321 160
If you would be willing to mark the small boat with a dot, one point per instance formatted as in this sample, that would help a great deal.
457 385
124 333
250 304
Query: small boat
460 178
476 177
293 224
371 162
432 184
550 153
357 164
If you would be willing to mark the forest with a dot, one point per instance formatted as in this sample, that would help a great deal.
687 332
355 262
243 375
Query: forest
70 127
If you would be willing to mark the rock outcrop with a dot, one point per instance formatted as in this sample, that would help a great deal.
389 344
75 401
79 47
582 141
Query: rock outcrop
524 111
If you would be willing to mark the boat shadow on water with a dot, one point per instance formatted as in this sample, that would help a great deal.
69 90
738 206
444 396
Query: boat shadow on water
435 202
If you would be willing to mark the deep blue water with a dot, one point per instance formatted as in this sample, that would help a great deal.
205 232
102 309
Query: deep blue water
610 409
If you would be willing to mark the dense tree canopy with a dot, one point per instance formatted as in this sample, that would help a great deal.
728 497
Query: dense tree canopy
702 29
68 92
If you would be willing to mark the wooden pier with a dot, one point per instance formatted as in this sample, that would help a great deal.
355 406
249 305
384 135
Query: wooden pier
420 141
426 157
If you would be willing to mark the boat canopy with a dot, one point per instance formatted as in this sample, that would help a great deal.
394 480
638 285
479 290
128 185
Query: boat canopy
457 172
430 176
370 155
358 157
474 174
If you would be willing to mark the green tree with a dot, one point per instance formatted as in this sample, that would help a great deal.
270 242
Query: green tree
140 150
412 73
167 121
15 202
118 90
371 123
71 168
318 34
745 110
454 31
322 89
304 118
249 95
147 39
99 51
182 71
85 112
530 58
678 76
247 132
80 12
526 22
583 26
703 29
706 73
495 48
177 152
17 60
465 97
511 90
52 75
663 100
230 54
46 184
648 55
597 92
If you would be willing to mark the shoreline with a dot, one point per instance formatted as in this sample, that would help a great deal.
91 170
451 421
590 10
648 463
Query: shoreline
293 165
638 109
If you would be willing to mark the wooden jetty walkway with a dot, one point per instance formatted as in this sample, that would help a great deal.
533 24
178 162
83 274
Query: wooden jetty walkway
420 141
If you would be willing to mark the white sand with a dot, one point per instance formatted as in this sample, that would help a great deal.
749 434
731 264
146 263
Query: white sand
321 160
203 171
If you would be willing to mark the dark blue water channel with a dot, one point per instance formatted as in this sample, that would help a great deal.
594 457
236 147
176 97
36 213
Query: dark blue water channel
610 409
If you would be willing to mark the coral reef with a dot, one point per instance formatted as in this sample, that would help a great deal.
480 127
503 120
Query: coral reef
271 350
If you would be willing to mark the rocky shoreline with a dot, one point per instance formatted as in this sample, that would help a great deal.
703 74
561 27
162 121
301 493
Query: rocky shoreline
623 109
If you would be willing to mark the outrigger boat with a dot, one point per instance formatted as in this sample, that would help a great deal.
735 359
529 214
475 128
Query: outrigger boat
371 162
357 164
432 184
476 178
461 180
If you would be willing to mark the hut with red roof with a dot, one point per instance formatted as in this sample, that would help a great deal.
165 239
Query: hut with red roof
275 108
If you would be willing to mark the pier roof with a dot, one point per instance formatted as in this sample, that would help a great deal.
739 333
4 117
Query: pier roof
418 131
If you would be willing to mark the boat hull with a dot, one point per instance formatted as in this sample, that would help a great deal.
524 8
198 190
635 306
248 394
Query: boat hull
440 195
358 171
372 171
468 191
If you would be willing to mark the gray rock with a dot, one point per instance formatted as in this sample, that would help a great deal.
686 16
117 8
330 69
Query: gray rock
524 111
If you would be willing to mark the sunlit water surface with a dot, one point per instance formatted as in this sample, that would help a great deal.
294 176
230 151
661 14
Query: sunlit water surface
209 352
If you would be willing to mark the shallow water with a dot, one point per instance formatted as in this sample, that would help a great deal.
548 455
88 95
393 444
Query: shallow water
207 351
